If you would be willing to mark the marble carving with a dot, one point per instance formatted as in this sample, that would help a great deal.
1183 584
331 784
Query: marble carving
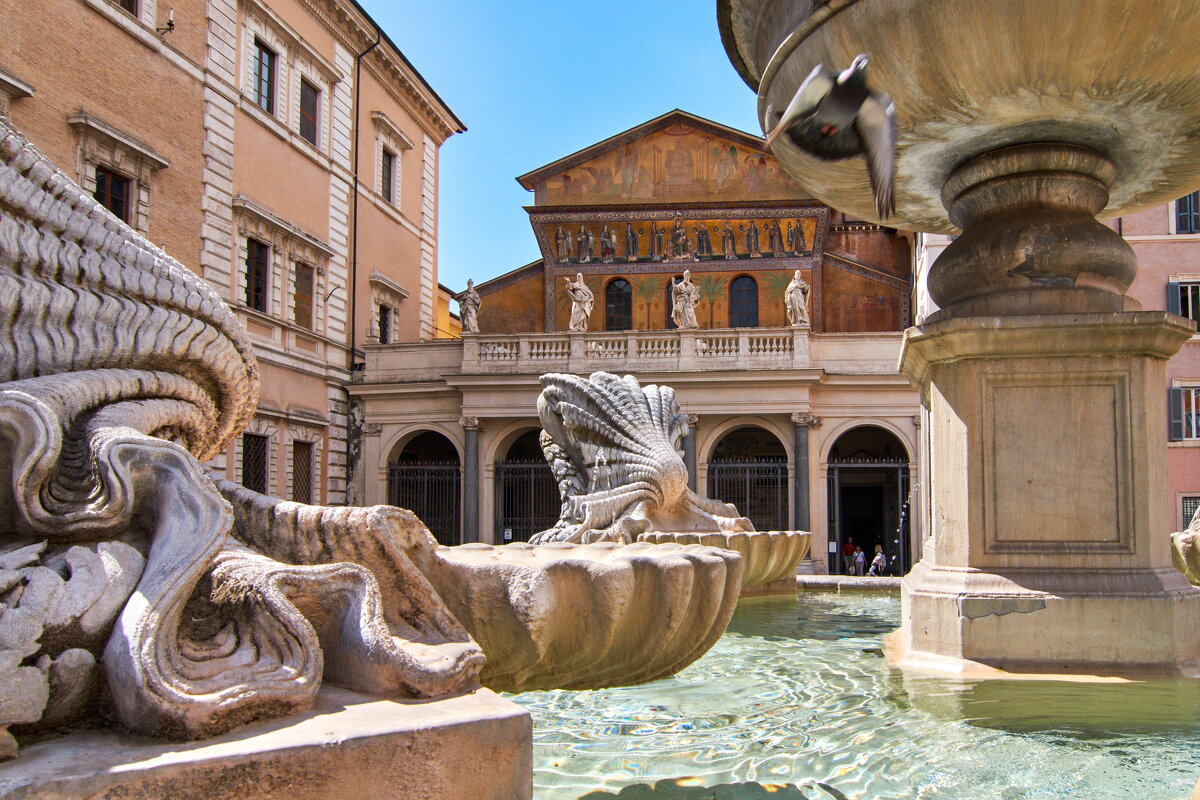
768 556
1185 550
615 448
129 585
137 587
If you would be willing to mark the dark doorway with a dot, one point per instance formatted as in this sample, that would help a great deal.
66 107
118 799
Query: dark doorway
426 479
869 498
527 499
749 469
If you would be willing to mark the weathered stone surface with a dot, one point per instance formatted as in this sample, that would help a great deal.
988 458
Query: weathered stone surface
120 371
473 745
615 448
571 616
768 556
1185 550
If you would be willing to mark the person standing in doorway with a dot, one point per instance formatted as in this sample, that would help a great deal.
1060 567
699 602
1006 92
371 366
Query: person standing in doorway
860 561
878 563
848 556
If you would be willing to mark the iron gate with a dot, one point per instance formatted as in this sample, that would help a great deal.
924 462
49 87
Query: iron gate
528 499
759 489
431 490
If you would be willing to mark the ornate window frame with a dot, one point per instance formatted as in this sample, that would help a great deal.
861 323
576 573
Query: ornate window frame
389 139
384 293
259 426
290 246
314 435
103 145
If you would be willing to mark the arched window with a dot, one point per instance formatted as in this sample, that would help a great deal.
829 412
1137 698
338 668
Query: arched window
743 303
618 306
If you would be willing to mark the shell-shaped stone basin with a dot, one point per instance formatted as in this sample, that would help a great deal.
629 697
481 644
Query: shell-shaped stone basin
568 616
769 556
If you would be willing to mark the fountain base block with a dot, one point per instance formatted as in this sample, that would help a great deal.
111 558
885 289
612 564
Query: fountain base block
346 745
1049 547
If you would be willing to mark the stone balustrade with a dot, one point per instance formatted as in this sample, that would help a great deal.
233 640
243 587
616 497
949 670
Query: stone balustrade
634 352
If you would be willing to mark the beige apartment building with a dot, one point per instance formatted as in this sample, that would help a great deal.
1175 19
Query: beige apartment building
807 426
287 152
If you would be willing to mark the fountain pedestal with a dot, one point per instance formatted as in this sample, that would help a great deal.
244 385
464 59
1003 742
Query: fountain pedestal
1047 550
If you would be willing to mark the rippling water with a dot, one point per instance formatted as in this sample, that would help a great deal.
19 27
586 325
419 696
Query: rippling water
796 703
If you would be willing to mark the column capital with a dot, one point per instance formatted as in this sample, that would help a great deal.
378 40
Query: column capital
471 423
692 420
372 428
916 420
806 420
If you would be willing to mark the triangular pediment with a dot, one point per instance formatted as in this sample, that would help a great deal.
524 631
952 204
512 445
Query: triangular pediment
675 158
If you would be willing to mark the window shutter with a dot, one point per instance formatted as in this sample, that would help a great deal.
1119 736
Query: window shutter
1175 414
1194 215
1173 298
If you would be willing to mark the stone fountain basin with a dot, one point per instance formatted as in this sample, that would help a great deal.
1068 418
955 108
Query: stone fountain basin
568 616
971 76
769 556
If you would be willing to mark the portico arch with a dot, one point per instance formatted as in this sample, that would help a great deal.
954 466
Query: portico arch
748 466
425 476
868 483
526 494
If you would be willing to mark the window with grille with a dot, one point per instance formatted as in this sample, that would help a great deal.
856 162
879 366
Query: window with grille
112 191
303 298
1184 408
743 303
387 177
618 306
254 462
264 77
1190 504
258 262
385 324
1184 299
310 102
302 472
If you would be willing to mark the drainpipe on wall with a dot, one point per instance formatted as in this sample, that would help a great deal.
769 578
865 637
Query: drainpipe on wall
351 434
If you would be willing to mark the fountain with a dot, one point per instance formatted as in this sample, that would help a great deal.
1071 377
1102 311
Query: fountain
154 605
1017 123
616 451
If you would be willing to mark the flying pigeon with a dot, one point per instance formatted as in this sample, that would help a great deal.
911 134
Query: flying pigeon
835 116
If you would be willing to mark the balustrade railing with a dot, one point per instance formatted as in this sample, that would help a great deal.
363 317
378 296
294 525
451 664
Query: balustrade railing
633 351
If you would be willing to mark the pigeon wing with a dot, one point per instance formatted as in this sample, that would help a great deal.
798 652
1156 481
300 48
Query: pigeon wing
815 88
876 126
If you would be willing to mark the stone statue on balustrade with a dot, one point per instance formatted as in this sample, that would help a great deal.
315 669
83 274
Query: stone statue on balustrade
135 580
582 301
615 449
468 308
795 299
685 295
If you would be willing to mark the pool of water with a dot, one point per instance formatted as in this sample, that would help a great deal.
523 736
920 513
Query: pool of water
796 702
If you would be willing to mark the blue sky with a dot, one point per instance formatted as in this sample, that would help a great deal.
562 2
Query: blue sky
535 80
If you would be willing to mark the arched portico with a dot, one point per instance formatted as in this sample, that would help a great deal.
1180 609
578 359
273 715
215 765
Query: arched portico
526 494
748 466
867 465
425 476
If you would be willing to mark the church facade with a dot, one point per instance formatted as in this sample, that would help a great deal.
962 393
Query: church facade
800 419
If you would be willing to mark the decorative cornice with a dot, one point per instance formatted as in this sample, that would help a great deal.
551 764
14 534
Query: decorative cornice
381 281
13 86
253 210
383 121
85 123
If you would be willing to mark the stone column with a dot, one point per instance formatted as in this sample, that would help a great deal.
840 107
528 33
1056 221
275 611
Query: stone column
470 495
689 450
801 507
